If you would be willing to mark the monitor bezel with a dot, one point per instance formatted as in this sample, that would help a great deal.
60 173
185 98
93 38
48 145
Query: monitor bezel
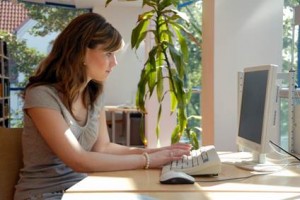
269 111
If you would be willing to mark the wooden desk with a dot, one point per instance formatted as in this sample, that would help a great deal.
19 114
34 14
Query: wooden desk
126 110
144 184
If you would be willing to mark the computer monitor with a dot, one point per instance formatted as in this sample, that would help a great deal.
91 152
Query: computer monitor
258 122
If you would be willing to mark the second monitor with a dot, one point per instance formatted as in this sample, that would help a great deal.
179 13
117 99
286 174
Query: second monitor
258 112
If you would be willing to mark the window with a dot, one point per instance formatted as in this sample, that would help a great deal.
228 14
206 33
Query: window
33 41
290 61
193 9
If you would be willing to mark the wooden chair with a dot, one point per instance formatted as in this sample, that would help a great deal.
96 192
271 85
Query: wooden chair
10 160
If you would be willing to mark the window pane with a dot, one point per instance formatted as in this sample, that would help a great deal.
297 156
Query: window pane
193 10
33 41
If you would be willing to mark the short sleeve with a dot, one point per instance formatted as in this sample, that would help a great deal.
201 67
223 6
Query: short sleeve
99 103
41 97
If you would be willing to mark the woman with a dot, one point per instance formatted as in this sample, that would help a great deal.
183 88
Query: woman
65 133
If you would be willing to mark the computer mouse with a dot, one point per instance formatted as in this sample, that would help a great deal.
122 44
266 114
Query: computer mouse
173 177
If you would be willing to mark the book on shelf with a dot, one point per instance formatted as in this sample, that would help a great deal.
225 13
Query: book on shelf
6 110
1 109
1 90
5 89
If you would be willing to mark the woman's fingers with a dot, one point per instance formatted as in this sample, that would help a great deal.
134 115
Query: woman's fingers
178 153
181 146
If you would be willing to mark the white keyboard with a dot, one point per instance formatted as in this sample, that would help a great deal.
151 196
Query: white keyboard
203 161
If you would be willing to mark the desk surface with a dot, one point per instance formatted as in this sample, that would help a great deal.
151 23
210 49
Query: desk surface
121 108
144 184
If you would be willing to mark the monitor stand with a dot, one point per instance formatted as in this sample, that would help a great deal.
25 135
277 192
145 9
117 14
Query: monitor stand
258 164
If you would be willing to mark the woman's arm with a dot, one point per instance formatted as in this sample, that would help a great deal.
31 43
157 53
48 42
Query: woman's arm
157 155
55 131
103 143
63 143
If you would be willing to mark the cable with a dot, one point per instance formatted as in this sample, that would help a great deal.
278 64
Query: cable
290 154
274 148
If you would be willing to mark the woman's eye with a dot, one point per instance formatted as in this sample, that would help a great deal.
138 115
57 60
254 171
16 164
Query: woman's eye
109 54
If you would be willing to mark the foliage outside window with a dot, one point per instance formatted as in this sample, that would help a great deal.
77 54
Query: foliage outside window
193 10
25 59
288 46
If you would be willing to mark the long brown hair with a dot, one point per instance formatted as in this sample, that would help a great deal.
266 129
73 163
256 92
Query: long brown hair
64 68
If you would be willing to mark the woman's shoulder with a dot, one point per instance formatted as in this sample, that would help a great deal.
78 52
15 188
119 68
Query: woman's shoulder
41 96
41 90
41 93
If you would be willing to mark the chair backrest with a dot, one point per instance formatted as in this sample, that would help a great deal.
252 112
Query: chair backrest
10 160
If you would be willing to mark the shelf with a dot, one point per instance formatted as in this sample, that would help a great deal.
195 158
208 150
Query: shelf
4 85
4 118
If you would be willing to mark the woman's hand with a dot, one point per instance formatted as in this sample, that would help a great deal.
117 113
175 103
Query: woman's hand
182 146
164 155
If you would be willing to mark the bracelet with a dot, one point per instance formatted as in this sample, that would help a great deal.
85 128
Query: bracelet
147 160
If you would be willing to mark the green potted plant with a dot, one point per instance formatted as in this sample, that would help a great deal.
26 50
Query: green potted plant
166 61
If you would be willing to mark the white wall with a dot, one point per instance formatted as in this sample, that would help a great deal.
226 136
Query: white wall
245 33
122 82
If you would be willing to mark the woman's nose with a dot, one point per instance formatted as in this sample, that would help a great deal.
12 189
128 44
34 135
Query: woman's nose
114 61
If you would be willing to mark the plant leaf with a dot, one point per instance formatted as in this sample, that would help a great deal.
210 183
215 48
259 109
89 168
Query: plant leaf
139 33
182 119
158 121
177 59
175 135
194 140
160 84
107 2
181 15
142 130
150 3
151 68
164 4
182 42
152 81
141 92
174 101
198 117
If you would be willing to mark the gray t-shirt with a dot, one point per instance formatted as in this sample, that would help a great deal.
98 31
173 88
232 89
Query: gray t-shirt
43 171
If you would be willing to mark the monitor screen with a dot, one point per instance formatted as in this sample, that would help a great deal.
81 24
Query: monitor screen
258 108
253 105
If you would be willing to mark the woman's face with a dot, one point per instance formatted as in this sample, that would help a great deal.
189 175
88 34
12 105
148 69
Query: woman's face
99 63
